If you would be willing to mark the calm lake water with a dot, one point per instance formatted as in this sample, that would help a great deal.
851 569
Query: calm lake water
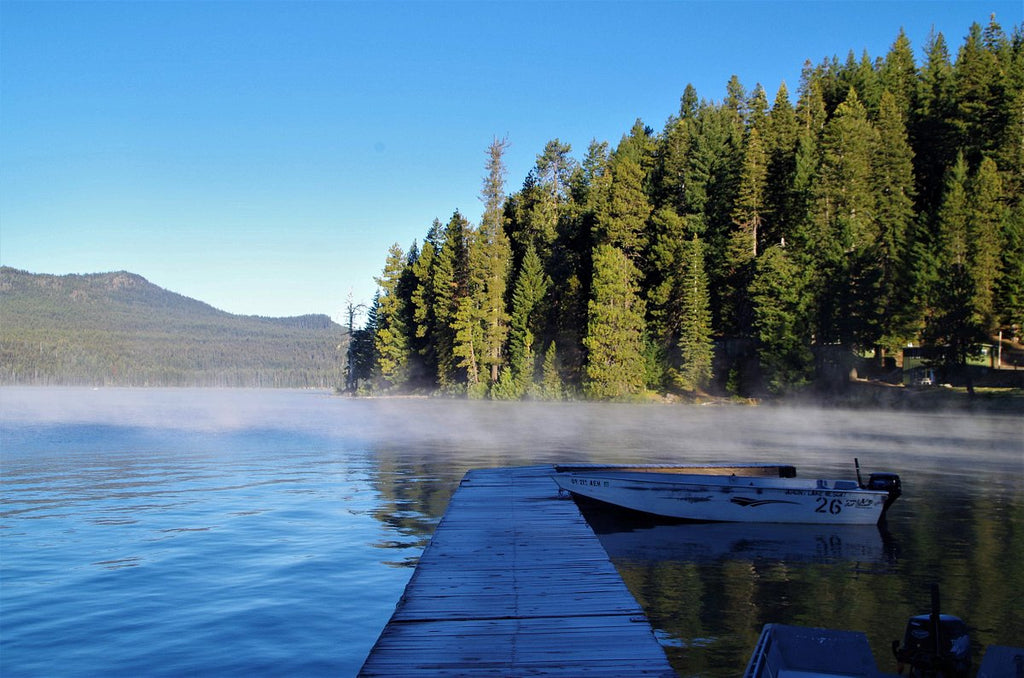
241 532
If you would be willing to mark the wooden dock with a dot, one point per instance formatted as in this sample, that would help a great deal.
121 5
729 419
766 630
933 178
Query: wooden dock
515 583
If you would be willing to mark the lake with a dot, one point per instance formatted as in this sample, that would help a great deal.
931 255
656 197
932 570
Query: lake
262 532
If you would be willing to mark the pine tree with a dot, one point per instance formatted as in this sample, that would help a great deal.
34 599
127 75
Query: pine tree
359 356
673 163
782 131
932 129
527 296
623 222
863 77
952 326
898 74
742 247
695 337
811 109
494 258
364 350
391 339
893 187
757 110
551 386
480 322
424 319
716 158
980 92
844 225
1009 146
984 238
468 346
615 327
748 210
666 263
781 322
1011 285
448 287
552 170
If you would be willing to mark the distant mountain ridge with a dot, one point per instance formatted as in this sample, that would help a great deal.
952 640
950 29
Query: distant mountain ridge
120 329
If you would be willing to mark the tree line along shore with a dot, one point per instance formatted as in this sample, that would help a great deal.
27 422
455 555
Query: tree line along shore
750 247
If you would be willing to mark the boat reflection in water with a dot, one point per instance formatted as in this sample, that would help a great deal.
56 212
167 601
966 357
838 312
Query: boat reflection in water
708 588
637 537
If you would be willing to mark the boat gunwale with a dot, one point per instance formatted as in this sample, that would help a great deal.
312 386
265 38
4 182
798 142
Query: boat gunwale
666 481
755 469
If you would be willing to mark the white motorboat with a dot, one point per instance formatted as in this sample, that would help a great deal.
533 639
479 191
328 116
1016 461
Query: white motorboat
760 493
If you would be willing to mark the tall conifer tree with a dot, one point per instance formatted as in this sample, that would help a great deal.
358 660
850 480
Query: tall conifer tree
615 327
495 259
527 297
893 187
898 74
932 129
781 135
696 345
449 286
952 325
781 322
391 339
844 224
425 330
985 232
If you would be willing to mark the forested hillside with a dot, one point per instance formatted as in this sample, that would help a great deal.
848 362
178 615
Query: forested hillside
751 245
119 329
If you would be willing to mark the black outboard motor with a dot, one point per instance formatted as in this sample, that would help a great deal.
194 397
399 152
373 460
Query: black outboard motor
934 645
886 482
883 482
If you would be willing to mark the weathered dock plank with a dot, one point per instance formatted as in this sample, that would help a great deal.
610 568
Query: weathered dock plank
514 583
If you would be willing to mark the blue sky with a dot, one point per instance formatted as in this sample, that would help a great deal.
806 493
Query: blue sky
263 156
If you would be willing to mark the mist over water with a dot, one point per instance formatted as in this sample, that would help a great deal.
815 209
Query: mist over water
240 532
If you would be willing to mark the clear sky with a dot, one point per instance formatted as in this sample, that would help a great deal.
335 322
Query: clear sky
263 156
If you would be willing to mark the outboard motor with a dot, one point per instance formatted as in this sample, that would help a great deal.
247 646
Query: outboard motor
934 645
886 482
883 482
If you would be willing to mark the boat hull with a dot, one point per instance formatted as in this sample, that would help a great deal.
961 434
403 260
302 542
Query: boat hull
730 498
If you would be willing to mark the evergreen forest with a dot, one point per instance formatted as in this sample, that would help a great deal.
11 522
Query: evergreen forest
752 246
118 329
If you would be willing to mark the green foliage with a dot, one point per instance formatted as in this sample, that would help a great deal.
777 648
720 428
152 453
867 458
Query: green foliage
391 340
780 321
615 364
729 250
117 329
530 288
1011 279
893 188
490 259
695 340
953 325
551 386
622 221
985 240
448 287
